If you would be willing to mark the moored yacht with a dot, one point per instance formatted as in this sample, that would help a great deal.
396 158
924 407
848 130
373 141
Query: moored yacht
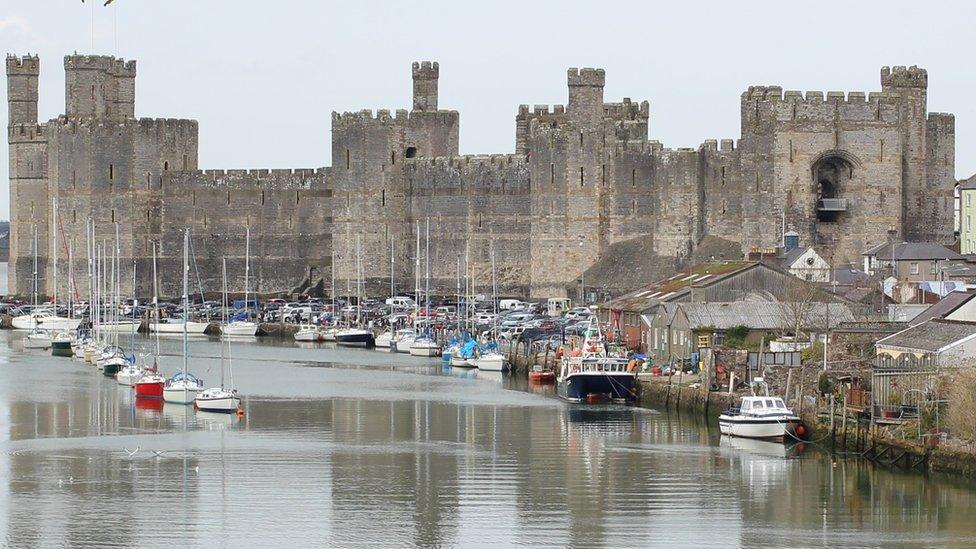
764 417
355 337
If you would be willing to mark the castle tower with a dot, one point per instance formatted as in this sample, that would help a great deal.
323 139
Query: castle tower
29 205
99 87
586 93
425 86
911 86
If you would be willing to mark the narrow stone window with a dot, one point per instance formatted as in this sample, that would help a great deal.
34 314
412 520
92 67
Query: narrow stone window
298 196
383 198
791 150
193 197
113 216
392 157
723 176
147 215
723 206
166 166
74 179
581 176
228 198
479 220
184 162
347 159
881 153
603 174
411 152
581 140
633 206
552 174
552 207
74 216
93 92
633 178
262 198
148 180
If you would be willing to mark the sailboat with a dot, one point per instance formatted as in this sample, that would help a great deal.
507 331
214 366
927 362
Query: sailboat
37 338
489 359
424 344
150 385
385 340
220 399
357 336
183 387
55 323
243 326
131 371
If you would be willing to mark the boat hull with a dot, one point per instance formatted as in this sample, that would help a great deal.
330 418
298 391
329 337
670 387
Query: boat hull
110 368
768 428
224 405
179 395
127 377
491 363
586 386
384 340
62 348
37 342
356 340
149 389
424 351
195 328
307 334
240 329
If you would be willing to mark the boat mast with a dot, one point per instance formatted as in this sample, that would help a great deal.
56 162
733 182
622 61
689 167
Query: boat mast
132 326
186 298
416 279
247 272
33 312
155 304
392 284
71 312
54 245
427 278
223 314
458 283
334 312
494 295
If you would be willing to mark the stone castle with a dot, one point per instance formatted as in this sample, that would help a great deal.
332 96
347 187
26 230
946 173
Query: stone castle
840 169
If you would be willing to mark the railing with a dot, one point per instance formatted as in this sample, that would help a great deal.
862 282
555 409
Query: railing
832 205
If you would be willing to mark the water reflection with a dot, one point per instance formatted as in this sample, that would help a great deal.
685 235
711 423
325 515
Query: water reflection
345 448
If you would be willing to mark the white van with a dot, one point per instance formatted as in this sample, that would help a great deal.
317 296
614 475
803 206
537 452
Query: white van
511 304
401 302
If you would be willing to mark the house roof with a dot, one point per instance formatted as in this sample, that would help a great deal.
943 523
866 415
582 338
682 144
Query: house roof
931 335
911 251
944 307
869 327
847 275
764 316
674 287
791 256
969 183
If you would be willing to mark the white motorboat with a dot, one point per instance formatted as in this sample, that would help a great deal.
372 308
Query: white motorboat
240 328
308 332
491 362
129 374
764 417
28 321
175 326
122 326
217 399
329 334
38 339
424 346
56 323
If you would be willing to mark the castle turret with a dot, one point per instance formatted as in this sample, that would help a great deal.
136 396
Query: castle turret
425 86
22 73
99 87
586 92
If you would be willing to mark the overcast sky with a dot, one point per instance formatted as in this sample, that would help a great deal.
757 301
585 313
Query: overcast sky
263 77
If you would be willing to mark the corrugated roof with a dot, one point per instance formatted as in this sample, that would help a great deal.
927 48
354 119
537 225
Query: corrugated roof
765 316
679 284
930 336
942 308
911 251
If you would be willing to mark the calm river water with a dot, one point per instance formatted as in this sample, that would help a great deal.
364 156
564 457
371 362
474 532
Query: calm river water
355 448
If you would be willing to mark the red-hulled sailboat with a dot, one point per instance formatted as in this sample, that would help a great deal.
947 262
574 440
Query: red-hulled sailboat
150 385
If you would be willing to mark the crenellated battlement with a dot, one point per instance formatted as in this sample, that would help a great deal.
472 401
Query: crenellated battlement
628 110
426 70
26 65
586 77
112 65
400 116
144 125
776 93
904 77
27 133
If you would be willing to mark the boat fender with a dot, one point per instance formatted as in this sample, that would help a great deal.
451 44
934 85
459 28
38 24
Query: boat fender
240 412
800 431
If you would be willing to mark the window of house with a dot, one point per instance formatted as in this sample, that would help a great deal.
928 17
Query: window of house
913 268
719 339
702 341
933 269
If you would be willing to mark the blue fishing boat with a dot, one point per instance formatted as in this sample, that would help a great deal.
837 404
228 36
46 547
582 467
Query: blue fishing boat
596 372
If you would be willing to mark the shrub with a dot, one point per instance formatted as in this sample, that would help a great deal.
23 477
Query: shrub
961 419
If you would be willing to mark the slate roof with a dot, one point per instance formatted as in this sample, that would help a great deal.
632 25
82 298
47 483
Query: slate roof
942 308
931 335
791 256
673 287
764 316
969 183
911 251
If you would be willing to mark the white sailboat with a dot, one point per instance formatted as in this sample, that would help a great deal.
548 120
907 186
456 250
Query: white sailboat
56 323
490 359
245 327
132 371
385 340
220 399
423 344
183 387
37 338
357 336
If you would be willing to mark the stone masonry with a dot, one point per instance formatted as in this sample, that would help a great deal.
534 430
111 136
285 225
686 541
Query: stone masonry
839 169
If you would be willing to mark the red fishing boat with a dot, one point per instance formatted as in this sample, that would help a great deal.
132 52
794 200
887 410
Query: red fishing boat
150 385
